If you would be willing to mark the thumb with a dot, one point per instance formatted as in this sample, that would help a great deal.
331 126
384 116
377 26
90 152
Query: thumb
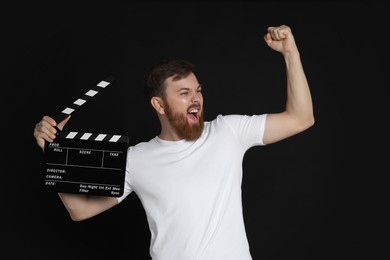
63 123
268 38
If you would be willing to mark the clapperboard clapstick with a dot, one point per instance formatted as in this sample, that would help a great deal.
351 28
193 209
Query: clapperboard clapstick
86 163
83 99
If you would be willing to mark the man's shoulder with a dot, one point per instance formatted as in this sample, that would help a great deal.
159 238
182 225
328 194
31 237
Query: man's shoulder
220 121
226 117
218 118
143 145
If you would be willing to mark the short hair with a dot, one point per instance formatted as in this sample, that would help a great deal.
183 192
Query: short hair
154 80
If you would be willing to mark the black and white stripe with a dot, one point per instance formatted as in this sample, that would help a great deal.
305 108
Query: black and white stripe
82 100
95 137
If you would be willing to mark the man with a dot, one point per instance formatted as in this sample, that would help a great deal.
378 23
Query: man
188 178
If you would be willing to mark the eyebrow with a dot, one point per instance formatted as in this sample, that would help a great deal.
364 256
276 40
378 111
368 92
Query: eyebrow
187 89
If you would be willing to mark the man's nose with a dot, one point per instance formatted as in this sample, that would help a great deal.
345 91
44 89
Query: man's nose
196 97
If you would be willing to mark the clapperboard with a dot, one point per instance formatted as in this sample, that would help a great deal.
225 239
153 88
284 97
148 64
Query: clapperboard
86 163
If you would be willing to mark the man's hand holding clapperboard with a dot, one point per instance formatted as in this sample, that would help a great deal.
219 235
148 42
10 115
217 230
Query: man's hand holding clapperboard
86 163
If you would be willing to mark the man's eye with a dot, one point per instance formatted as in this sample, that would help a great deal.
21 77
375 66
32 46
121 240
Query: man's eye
183 93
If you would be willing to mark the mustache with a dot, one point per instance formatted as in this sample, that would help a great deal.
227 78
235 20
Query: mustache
194 106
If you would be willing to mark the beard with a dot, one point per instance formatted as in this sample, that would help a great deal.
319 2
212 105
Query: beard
180 124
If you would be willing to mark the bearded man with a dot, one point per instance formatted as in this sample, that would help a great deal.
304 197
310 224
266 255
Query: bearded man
188 177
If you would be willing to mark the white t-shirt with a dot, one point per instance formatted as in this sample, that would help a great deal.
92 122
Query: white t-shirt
191 190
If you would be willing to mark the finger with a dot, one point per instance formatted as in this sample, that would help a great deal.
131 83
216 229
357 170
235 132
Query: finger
279 33
273 32
49 138
43 128
40 136
47 127
268 38
283 31
49 120
276 34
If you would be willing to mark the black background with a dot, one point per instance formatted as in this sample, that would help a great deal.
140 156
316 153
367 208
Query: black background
316 195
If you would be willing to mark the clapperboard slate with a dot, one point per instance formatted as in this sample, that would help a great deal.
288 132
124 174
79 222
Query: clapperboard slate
86 163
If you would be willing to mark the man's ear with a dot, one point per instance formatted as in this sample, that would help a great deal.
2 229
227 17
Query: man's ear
157 103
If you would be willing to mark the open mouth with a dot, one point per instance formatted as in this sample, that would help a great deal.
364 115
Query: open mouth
193 113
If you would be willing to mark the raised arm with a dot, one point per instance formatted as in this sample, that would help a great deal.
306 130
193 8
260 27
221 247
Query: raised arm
298 114
79 206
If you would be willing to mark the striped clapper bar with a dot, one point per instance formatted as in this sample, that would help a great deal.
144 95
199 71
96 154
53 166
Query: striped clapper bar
86 163
82 100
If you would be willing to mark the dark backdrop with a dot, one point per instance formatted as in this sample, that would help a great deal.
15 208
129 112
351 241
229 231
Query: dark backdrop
313 196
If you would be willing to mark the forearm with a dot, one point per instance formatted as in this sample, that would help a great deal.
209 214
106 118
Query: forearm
81 207
299 102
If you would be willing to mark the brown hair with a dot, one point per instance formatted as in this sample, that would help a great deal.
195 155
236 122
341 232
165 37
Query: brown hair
155 77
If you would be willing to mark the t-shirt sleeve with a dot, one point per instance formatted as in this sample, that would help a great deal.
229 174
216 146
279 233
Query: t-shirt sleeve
127 188
248 129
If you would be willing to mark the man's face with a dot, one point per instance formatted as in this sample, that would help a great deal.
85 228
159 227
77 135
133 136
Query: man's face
183 106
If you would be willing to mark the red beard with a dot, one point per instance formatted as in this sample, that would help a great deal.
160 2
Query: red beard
184 129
